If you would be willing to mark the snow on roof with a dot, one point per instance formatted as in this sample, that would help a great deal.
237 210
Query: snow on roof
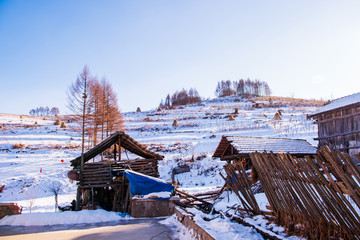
276 145
338 103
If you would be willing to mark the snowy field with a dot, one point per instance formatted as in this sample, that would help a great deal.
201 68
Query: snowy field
35 158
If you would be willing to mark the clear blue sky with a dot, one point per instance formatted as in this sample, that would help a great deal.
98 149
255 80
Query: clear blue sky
147 49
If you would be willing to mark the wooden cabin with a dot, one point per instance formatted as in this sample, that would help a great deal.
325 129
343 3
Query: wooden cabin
339 124
102 182
237 148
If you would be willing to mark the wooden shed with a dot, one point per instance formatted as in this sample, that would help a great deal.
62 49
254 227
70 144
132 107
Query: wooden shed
233 148
102 182
339 124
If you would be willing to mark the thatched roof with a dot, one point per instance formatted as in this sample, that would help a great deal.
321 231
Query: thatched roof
125 141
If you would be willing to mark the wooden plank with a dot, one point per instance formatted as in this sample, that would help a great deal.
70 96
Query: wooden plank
337 135
296 189
197 231
337 118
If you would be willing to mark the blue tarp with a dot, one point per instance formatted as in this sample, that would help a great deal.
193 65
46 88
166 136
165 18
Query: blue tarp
141 184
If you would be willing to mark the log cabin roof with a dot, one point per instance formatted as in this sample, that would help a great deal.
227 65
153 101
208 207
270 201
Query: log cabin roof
342 102
125 141
242 146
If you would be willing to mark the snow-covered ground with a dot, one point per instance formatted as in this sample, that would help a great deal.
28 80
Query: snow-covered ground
34 158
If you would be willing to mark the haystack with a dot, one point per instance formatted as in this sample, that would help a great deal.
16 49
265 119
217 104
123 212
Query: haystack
57 122
277 116
138 109
159 109
63 125
175 123
236 111
231 118
167 108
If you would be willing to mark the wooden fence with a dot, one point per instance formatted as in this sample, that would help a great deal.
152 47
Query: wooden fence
317 197
241 186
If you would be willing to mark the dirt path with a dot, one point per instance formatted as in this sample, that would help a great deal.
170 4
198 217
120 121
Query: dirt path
135 229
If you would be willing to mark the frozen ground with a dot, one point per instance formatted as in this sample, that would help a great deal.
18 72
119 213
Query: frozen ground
34 158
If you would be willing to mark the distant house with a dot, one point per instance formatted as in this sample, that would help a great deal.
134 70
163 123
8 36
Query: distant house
238 148
339 124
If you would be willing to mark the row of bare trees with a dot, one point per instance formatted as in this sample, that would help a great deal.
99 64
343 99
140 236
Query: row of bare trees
224 88
242 88
94 105
182 97
44 111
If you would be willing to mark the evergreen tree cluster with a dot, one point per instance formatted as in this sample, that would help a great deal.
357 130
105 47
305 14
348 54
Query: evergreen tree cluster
44 111
242 88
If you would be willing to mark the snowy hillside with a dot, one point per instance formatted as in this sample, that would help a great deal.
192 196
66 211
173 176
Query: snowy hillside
34 158
201 126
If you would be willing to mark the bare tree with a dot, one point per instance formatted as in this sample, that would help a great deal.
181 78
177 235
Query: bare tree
55 188
96 105
97 102
182 97
54 111
241 88
112 118
31 197
79 104
78 101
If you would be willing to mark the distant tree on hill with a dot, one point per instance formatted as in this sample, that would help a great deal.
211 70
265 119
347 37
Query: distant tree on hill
55 111
44 111
167 101
242 88
183 97
224 89
32 112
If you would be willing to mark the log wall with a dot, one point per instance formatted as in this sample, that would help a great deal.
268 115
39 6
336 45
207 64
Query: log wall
340 129
99 174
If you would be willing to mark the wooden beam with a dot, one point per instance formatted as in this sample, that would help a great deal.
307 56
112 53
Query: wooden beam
337 118
189 223
337 135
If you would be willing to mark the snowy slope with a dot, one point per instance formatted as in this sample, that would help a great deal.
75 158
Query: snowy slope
29 173
201 127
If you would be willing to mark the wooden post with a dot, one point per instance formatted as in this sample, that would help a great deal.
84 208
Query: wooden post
78 199
126 200
92 198
119 148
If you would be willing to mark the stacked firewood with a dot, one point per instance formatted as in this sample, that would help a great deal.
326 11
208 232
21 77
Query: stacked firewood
203 201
